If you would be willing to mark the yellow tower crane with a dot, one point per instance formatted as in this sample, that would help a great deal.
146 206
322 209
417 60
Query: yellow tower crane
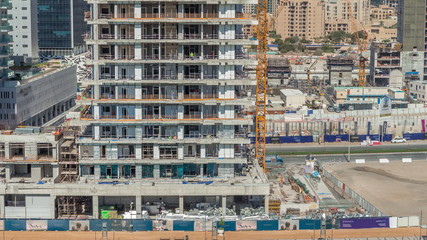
362 44
261 84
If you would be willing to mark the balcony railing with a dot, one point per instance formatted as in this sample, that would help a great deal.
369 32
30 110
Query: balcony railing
193 116
193 96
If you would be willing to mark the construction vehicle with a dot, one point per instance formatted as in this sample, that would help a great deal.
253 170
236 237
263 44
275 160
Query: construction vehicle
362 44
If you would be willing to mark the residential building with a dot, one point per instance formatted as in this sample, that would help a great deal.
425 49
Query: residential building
379 34
391 3
411 31
5 40
303 19
418 90
61 27
385 64
37 97
337 14
340 70
382 12
164 103
25 32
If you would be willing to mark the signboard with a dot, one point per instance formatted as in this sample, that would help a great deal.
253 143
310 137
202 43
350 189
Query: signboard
245 225
79 225
356 223
288 224
36 225
385 107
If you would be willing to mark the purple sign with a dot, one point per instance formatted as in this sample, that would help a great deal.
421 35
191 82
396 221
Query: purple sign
354 223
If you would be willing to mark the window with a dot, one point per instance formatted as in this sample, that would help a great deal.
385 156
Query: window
24 17
24 36
24 27
25 45
24 8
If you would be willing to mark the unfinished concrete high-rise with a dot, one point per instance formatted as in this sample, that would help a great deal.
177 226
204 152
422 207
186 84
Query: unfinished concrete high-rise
160 115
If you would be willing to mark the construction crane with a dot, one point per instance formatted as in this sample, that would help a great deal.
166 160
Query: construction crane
362 44
261 84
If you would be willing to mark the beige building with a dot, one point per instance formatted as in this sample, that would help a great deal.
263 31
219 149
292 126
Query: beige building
304 19
381 33
337 14
382 12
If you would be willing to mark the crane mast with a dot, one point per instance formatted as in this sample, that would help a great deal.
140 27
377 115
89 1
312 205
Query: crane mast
261 84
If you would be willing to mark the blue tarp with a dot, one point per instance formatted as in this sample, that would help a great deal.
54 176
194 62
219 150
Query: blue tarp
267 225
180 225
58 225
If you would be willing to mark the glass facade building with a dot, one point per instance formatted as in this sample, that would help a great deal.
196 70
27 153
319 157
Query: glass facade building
61 26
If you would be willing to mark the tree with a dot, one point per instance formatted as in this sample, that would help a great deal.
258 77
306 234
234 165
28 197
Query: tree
327 48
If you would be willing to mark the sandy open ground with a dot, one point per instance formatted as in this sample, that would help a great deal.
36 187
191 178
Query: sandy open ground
395 188
301 234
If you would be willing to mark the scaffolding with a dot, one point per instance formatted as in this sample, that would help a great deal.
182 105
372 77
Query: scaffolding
73 206
68 157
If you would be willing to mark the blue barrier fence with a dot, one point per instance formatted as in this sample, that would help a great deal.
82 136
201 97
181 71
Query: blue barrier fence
340 137
185 225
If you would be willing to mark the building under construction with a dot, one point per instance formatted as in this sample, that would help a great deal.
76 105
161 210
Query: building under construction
340 69
159 127
279 71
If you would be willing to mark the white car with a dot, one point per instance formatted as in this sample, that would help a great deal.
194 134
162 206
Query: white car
398 140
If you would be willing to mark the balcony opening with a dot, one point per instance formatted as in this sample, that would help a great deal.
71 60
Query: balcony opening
44 151
168 152
147 151
16 151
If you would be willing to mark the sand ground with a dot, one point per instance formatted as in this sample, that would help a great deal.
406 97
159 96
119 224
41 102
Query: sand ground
395 188
261 235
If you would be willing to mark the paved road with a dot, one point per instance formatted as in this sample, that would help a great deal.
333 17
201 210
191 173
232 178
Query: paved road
304 147
371 157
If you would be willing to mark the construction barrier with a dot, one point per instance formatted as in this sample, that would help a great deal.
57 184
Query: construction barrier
201 225
267 225
181 225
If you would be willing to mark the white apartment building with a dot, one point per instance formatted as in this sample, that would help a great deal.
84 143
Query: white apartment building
418 90
25 32
36 99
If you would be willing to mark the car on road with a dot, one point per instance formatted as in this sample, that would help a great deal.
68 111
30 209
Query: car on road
398 140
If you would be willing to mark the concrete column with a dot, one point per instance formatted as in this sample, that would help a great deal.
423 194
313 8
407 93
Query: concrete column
116 10
181 204
36 172
52 206
95 207
180 31
8 172
180 151
156 171
156 152
138 206
266 203
116 31
97 171
2 206
203 151
95 11
55 168
201 170
224 205
116 53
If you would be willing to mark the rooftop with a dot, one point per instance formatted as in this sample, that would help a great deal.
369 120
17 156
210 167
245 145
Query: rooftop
291 92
